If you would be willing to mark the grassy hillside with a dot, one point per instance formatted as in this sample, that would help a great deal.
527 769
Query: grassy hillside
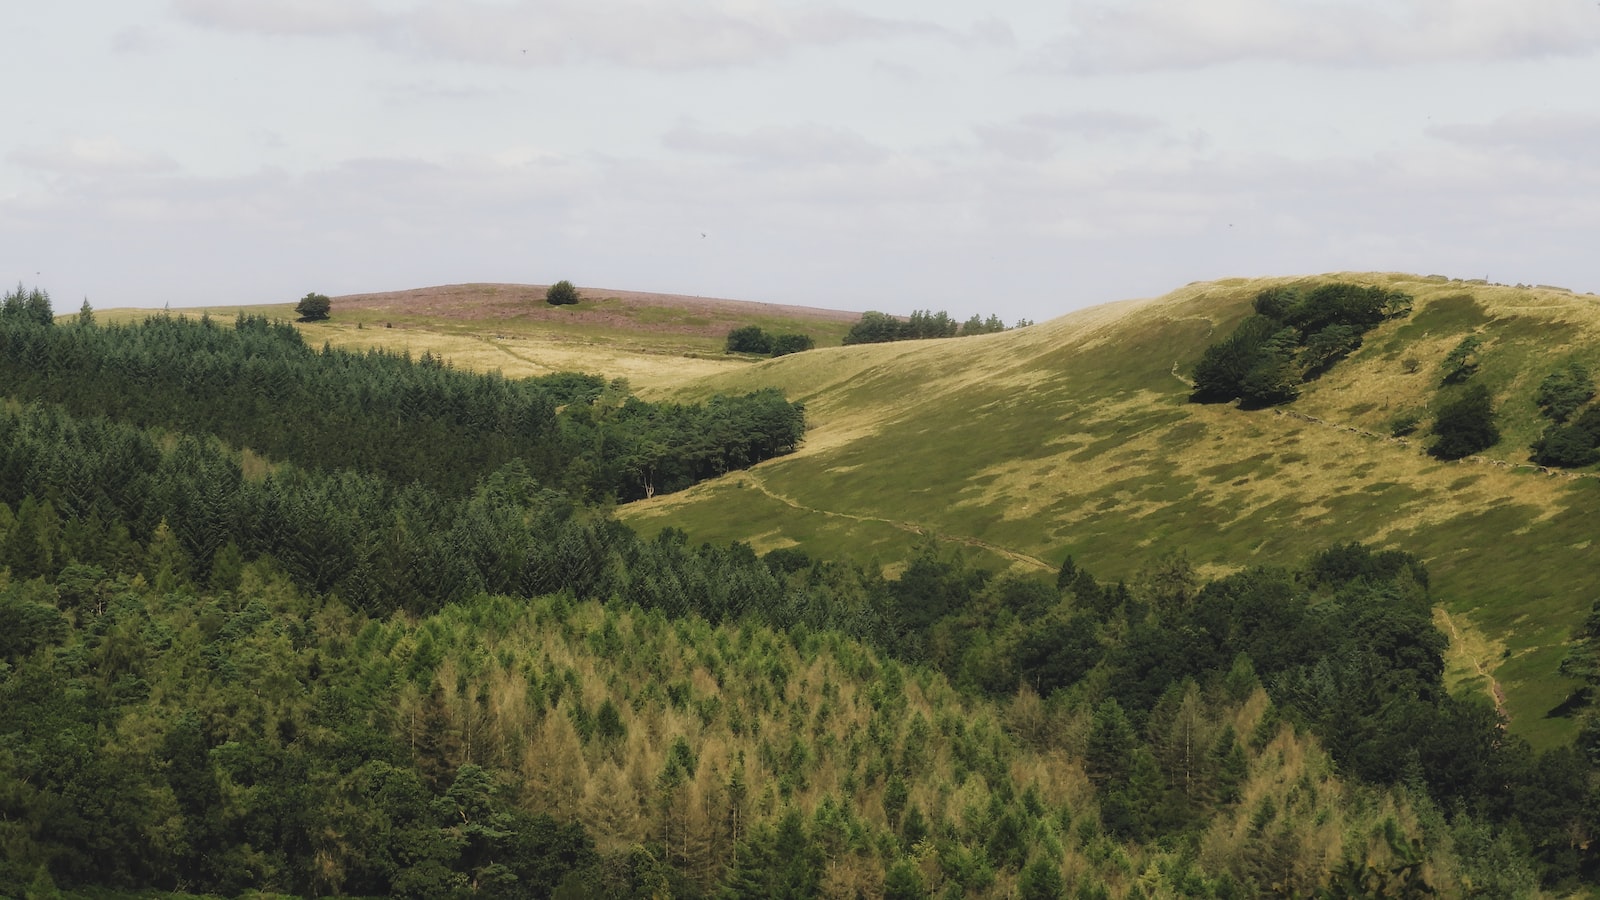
1075 437
656 341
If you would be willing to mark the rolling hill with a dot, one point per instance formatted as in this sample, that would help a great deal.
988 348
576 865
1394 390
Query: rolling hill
1075 437
656 341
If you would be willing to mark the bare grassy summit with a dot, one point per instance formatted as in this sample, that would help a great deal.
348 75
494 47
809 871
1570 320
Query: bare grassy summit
1076 436
656 341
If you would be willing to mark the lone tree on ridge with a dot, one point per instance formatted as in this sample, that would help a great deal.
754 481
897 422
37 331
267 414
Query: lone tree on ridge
562 293
313 307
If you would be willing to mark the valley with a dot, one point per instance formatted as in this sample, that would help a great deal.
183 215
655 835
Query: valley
456 594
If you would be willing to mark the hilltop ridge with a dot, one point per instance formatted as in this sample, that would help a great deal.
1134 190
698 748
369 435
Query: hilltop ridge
662 312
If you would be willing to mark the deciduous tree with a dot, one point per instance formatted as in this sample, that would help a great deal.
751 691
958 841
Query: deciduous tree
313 307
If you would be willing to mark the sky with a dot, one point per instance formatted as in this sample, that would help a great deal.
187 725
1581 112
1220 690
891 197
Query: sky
1021 158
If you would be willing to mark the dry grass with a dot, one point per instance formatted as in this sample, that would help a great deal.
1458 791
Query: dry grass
660 343
650 371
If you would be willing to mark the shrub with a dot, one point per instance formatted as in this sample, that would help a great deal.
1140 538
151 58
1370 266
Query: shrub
749 339
785 344
1405 423
562 293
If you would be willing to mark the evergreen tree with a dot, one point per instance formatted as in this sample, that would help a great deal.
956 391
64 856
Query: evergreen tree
903 882
1041 880
1111 740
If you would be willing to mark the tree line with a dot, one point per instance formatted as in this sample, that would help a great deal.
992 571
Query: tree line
877 328
256 384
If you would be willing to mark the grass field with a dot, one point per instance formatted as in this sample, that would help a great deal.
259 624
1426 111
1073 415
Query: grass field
1074 436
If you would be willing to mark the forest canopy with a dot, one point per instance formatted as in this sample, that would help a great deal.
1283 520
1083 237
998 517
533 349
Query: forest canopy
256 384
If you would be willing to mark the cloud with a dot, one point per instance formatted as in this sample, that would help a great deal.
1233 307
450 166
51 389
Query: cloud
91 156
286 17
790 145
1536 134
813 214
993 31
632 33
1151 35
135 39
1043 135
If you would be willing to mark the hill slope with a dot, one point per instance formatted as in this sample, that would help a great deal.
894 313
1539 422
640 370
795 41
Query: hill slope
1075 437
656 341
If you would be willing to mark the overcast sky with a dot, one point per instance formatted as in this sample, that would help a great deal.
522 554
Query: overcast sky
1017 157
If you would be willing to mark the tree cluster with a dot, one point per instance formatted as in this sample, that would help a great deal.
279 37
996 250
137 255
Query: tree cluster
754 339
22 306
1294 336
877 328
112 495
1464 416
1345 647
1573 436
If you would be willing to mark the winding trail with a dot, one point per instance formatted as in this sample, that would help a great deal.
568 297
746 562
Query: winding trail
1496 693
909 527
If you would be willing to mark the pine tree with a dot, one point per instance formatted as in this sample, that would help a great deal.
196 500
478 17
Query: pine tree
903 882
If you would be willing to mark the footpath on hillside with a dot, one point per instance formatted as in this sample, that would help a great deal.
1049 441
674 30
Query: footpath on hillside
909 527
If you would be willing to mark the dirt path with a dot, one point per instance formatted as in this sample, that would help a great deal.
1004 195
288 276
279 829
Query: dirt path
1187 382
1473 649
909 527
